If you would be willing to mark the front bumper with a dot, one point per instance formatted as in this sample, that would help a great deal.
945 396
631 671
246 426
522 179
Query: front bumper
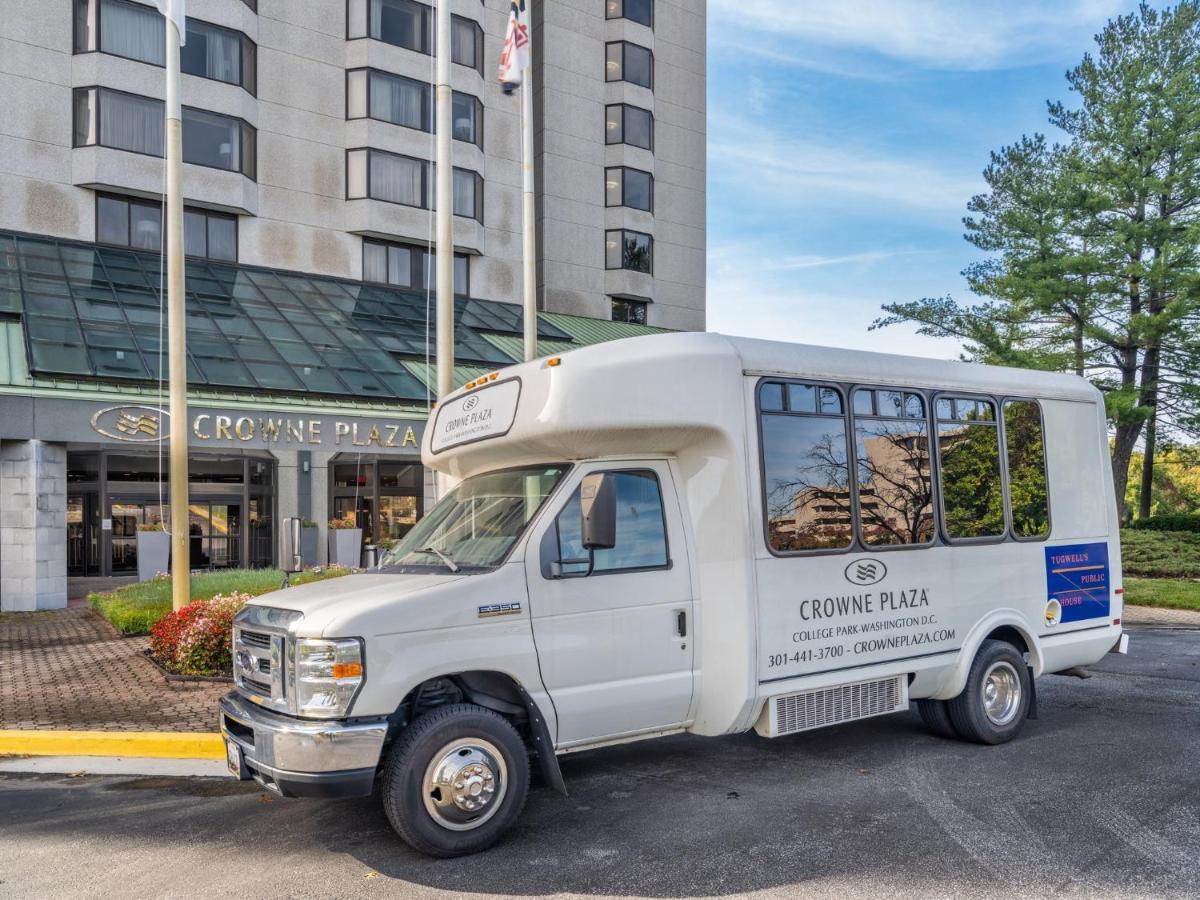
303 757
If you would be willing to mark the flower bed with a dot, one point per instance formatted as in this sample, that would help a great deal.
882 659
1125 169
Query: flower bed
197 640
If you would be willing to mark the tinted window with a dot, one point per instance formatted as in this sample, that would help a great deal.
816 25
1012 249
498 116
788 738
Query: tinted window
807 474
134 31
640 11
1027 490
631 250
641 532
969 451
630 62
400 22
895 495
629 125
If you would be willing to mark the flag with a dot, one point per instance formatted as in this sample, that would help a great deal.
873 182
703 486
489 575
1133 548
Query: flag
173 10
514 58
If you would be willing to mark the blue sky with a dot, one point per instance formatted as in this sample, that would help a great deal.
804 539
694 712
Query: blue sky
845 139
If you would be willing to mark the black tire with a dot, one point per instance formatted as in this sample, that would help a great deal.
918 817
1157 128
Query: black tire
936 717
968 711
417 749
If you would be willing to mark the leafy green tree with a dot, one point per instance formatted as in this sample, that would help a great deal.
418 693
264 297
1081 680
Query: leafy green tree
1095 265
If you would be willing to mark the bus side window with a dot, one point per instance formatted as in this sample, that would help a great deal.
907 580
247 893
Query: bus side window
895 494
806 470
1027 490
969 468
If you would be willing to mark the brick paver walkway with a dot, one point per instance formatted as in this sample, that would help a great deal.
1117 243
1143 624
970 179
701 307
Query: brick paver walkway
69 669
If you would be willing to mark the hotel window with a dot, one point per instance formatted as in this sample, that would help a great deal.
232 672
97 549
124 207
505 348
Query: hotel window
109 118
131 222
625 124
640 11
408 24
136 31
405 101
379 175
632 250
466 43
629 62
389 98
624 186
222 142
630 309
410 266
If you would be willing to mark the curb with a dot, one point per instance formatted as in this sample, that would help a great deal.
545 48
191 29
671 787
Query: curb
142 744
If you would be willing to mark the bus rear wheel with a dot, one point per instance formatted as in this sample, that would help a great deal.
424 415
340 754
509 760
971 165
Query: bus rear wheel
995 701
936 717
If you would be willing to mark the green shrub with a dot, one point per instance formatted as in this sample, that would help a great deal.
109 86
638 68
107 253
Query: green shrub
134 608
1168 522
1161 554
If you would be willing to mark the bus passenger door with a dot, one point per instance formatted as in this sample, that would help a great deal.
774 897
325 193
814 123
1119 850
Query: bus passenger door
613 634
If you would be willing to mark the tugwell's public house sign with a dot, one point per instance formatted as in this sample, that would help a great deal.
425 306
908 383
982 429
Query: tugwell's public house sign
82 422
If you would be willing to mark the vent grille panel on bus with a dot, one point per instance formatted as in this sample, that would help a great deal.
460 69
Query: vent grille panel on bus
841 703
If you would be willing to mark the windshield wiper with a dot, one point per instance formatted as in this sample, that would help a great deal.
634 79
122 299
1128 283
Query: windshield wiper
450 564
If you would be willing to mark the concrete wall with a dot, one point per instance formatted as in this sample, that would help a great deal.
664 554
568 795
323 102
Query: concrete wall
295 215
33 526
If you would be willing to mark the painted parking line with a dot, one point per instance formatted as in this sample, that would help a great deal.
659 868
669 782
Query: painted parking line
146 744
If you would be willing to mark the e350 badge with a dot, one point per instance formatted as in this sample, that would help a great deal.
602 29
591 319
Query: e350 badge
499 609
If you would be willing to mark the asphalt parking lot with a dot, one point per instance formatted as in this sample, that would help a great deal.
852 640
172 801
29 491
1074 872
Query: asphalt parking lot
1100 797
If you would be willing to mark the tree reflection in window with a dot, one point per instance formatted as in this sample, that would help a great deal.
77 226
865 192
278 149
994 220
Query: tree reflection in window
1027 491
806 470
969 453
895 495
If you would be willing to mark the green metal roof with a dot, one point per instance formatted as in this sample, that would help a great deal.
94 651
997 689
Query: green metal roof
597 331
515 346
428 374
13 369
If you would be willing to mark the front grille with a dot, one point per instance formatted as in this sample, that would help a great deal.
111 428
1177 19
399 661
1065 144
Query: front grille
841 703
256 639
257 686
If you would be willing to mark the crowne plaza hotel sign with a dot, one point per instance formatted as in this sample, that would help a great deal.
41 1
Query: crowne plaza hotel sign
75 421
148 424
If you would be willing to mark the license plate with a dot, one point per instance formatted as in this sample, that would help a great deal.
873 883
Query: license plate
233 755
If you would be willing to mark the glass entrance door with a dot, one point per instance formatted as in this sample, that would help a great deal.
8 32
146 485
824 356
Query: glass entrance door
215 534
83 534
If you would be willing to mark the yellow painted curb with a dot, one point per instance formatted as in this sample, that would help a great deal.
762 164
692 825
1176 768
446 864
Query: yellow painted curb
157 744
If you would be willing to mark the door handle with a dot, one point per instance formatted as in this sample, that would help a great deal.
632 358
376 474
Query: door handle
681 622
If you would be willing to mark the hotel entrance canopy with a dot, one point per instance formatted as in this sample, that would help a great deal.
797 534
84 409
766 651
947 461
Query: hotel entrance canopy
91 313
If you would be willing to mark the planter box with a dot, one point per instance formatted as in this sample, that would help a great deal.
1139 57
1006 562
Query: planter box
345 547
153 553
308 545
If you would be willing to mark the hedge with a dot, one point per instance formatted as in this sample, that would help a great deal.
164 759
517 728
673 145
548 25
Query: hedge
1168 522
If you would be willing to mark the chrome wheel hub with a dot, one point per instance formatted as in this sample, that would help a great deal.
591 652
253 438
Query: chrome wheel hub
1001 693
465 783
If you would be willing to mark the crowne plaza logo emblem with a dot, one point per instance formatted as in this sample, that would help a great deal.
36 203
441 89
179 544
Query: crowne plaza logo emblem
132 424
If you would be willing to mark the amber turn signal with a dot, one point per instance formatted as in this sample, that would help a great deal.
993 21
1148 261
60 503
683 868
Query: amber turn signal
347 670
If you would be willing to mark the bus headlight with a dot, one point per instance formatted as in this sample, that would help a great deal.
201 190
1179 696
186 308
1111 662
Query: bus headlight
326 676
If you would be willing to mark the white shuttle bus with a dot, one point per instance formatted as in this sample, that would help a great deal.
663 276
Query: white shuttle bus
690 533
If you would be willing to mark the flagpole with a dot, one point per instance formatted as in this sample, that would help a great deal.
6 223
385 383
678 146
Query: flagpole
176 324
528 226
444 174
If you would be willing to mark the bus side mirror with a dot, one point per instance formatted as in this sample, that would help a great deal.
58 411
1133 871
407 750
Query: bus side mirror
598 511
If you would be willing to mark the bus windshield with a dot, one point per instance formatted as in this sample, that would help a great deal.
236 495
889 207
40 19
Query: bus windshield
476 524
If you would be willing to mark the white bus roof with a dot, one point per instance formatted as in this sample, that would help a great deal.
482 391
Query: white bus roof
663 394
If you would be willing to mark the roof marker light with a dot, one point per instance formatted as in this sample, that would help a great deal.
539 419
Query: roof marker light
493 376
554 361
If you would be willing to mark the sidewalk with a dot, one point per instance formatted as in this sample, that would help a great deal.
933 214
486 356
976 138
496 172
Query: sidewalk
1152 615
69 669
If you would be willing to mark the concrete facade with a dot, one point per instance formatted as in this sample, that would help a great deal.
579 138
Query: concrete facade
295 214
33 525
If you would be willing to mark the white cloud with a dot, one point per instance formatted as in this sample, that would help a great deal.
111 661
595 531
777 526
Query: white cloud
929 33
746 299
780 167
